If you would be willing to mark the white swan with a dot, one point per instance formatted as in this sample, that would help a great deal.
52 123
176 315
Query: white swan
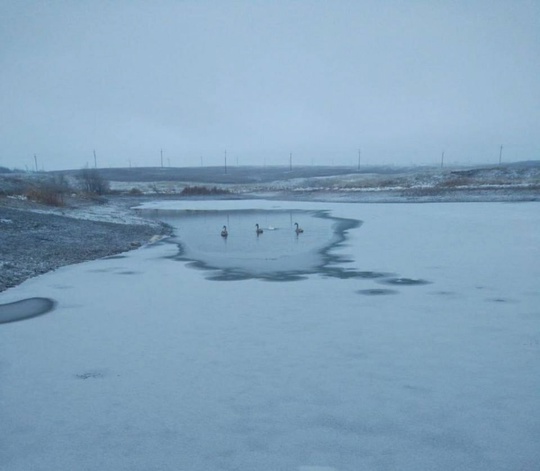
224 232
258 230
298 229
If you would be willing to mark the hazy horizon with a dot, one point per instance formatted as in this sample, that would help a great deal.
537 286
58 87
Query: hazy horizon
184 82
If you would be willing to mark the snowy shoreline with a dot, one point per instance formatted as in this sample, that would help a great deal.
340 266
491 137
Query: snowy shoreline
36 239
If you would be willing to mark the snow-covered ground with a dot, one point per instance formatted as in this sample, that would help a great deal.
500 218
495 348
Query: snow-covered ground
113 211
509 182
146 363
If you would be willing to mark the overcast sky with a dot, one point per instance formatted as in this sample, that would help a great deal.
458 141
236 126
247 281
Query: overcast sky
402 81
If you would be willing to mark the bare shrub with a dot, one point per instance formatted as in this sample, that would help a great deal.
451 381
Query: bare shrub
155 189
44 195
92 182
202 190
11 186
50 192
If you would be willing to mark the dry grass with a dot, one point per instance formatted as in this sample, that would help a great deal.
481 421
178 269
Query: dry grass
46 194
203 191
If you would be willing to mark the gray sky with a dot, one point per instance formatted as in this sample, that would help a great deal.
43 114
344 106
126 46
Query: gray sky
402 81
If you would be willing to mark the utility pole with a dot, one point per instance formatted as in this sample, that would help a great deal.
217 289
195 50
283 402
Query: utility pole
161 153
95 159
290 162
500 155
35 161
225 161
442 160
359 155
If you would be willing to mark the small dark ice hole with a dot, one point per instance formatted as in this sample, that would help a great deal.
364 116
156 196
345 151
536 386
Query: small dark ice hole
25 309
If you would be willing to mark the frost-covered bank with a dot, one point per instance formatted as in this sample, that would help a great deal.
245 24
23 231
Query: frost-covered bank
35 240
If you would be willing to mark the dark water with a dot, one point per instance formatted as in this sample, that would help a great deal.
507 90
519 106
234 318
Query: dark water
279 253
404 281
25 309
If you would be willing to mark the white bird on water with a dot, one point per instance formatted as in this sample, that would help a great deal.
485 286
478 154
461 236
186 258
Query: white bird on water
298 229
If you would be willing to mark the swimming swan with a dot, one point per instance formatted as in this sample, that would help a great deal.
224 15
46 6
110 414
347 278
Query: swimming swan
258 231
224 232
298 229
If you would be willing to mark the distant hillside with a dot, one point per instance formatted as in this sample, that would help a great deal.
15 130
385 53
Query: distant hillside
246 175
525 164
516 181
234 175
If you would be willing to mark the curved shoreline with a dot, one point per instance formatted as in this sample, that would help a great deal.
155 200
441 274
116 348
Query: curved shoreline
33 243
35 239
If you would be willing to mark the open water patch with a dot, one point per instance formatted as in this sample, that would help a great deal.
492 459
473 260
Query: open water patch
404 281
501 300
25 309
289 245
377 292
345 274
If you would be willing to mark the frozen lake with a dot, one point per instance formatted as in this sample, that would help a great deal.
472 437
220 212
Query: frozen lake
384 337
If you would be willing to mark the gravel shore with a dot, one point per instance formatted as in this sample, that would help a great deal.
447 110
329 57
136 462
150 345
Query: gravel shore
32 243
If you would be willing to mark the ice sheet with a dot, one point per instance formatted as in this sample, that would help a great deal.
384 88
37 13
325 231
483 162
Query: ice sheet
147 364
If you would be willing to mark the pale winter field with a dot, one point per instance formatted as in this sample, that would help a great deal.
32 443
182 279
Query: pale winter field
411 344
